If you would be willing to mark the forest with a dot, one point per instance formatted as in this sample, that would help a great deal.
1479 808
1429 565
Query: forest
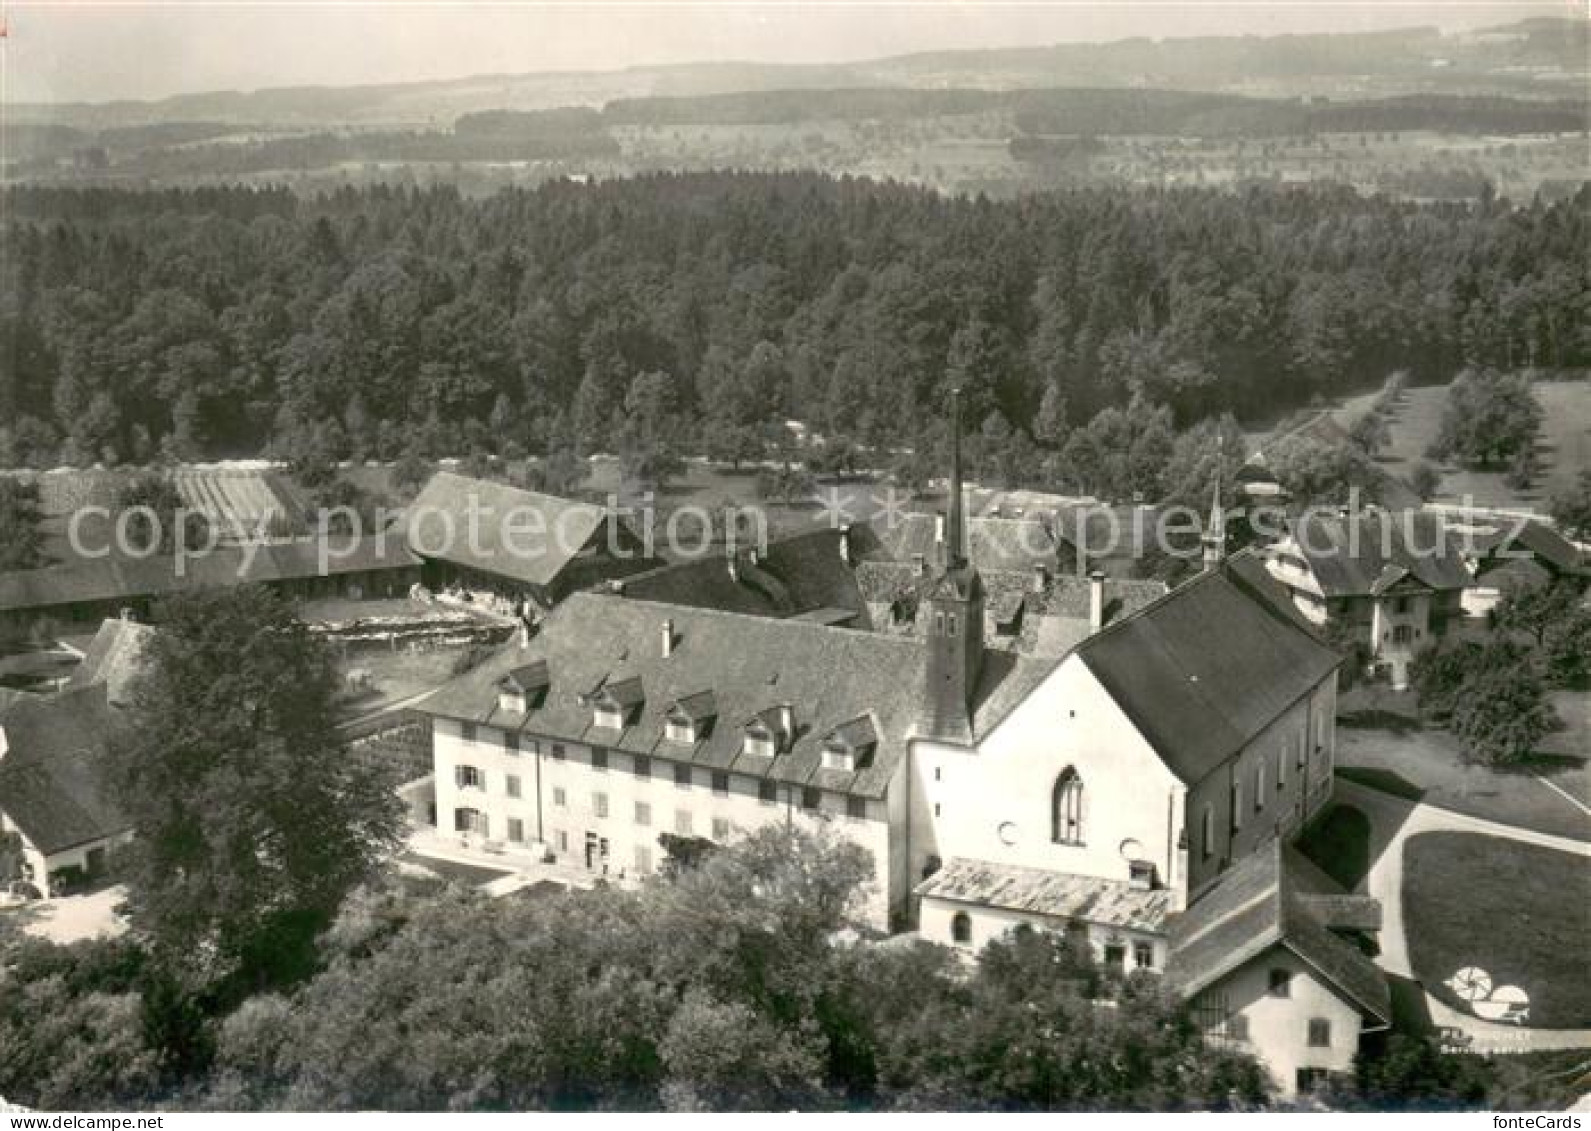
212 322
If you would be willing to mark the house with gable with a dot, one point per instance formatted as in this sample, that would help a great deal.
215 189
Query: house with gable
1391 582
54 793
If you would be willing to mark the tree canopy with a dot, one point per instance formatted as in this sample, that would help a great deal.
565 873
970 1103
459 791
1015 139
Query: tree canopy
253 821
219 321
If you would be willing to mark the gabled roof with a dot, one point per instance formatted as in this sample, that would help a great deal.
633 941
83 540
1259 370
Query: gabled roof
1042 891
750 664
526 677
114 657
809 577
1542 541
1256 906
120 579
1053 620
697 707
855 734
520 534
1351 556
52 775
1201 671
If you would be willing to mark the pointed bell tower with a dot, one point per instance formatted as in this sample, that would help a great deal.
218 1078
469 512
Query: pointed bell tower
952 617
1214 537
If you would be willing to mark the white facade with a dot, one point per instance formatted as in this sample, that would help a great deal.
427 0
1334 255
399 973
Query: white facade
1307 1026
90 856
558 797
1121 948
995 803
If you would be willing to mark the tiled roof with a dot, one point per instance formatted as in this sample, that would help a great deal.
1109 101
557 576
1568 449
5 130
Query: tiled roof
1053 620
1541 540
1061 895
1350 556
750 664
112 579
113 658
508 541
52 775
1254 907
1205 668
992 543
811 575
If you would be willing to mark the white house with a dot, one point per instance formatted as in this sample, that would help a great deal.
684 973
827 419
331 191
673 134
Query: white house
53 793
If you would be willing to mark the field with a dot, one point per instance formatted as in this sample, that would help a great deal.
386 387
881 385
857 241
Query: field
1519 912
1565 445
1390 750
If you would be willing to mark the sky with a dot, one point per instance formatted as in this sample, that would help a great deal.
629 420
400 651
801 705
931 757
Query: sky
76 50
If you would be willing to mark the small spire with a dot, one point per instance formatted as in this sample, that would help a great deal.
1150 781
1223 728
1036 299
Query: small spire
1215 530
956 535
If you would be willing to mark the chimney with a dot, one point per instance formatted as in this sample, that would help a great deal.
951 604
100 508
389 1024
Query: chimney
786 725
5 743
734 568
939 528
1096 601
845 543
668 638
1041 577
523 634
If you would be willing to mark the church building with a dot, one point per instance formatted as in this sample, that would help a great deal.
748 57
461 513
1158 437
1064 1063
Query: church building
1103 793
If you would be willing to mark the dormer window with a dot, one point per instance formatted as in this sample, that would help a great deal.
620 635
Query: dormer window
770 733
850 745
690 719
759 743
524 688
617 705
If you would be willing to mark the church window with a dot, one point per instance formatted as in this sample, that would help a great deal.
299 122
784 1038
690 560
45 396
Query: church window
1066 808
951 621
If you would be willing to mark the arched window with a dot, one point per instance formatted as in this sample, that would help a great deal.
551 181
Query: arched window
960 928
1207 832
1066 808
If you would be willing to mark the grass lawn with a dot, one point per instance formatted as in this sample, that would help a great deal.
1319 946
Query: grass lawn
1565 444
471 875
396 676
1379 745
1521 913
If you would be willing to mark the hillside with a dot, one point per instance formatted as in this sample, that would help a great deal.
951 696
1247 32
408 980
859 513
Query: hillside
1530 59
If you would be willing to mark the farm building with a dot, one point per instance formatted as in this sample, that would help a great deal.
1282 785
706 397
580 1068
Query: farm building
83 593
493 539
54 800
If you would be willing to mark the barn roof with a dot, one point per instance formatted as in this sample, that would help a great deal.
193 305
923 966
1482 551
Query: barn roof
518 534
114 579
806 575
53 774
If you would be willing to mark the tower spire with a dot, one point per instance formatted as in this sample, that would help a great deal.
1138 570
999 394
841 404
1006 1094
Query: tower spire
1215 529
955 535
